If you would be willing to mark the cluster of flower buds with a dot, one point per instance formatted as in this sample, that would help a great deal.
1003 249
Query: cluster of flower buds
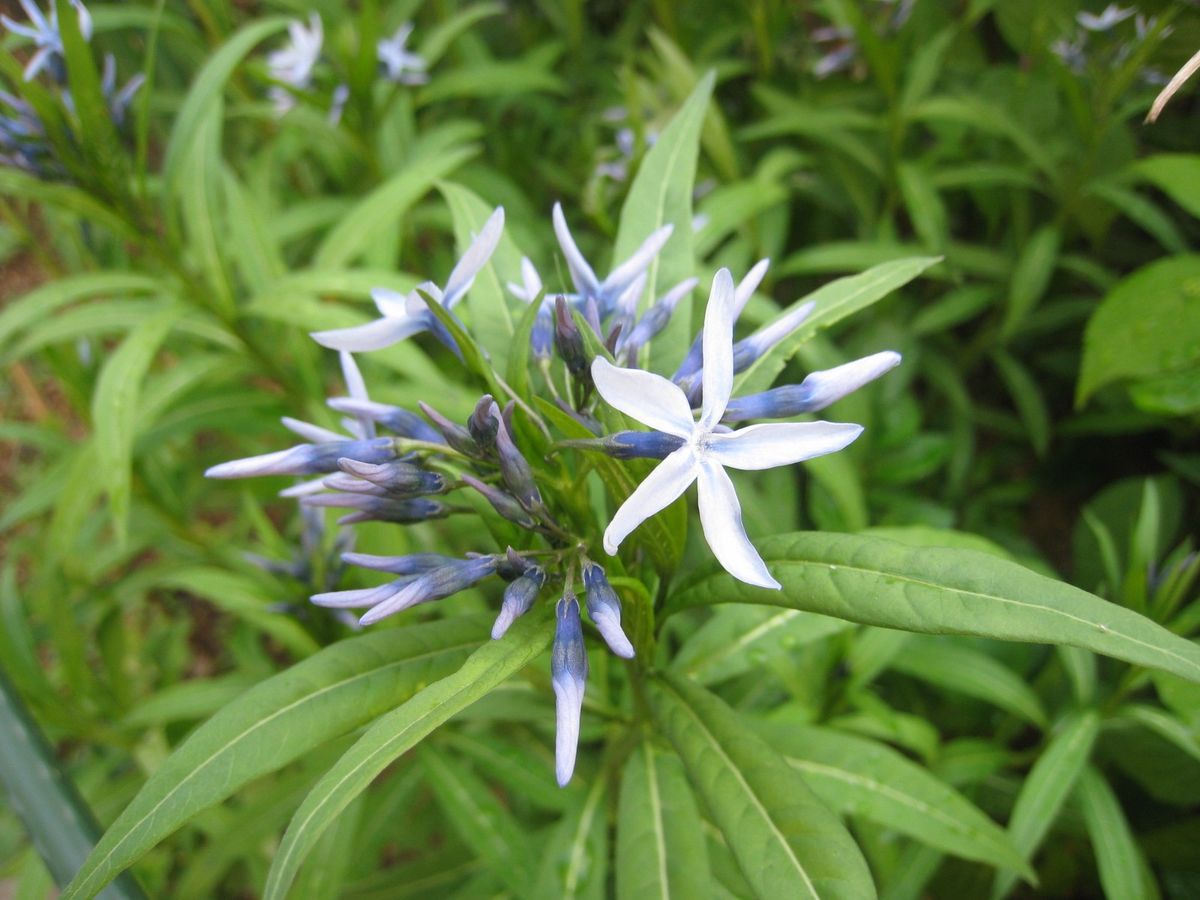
23 141
495 454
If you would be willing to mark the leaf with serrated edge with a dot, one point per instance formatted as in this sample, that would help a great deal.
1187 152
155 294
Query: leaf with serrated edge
943 591
787 843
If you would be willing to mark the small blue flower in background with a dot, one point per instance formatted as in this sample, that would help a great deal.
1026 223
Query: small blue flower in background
292 65
403 316
46 36
1112 15
401 65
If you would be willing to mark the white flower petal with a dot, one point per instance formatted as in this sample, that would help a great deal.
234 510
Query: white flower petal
779 443
658 491
372 336
718 349
313 433
568 704
721 516
475 258
649 398
585 279
389 302
624 274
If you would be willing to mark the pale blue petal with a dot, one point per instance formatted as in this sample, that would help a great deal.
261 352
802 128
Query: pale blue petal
649 398
721 517
656 492
779 443
718 350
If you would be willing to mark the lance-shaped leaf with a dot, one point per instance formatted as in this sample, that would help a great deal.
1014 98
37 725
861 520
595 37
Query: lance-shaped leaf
327 695
1123 870
786 841
575 858
944 591
661 851
400 730
863 778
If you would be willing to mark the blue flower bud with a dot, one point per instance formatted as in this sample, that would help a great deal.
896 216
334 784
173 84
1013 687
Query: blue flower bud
655 320
630 444
410 564
393 418
568 675
364 597
483 423
518 598
456 436
503 503
518 476
604 607
542 337
379 509
396 478
433 585
307 459
815 393
568 340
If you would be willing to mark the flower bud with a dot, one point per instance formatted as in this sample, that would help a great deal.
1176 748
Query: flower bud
518 598
604 607
568 675
568 340
410 564
398 478
433 585
483 423
814 393
655 319
307 459
518 476
503 503
456 436
393 418
379 509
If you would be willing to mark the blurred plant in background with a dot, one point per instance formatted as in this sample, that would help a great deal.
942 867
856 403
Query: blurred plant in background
980 669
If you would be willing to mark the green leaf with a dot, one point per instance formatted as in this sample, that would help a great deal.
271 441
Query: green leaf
386 204
575 858
786 842
1123 871
1047 786
1028 399
834 302
115 410
959 669
1147 326
661 852
1030 277
39 303
472 810
740 638
859 777
943 591
337 690
925 208
55 816
492 320
68 198
1175 174
400 730
661 194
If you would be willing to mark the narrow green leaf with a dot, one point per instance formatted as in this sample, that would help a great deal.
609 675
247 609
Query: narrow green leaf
963 670
740 638
70 199
661 194
1175 174
115 410
1047 786
575 858
401 730
787 843
1124 874
1027 397
1030 277
925 208
38 304
834 302
944 591
661 852
863 778
327 695
385 205
472 810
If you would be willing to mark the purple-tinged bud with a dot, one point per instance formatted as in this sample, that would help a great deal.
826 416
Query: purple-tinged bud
604 607
568 675
379 509
749 349
630 444
741 296
591 423
512 565
542 337
483 424
591 315
340 481
656 318
815 393
434 585
393 418
567 339
517 474
365 597
410 564
626 307
503 503
397 478
518 598
456 436
307 459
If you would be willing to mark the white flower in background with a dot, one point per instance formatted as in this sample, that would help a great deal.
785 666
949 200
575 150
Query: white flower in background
46 36
1112 15
403 316
400 64
292 65
708 447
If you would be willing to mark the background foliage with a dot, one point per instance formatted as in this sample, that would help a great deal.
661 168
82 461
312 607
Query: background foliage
160 283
